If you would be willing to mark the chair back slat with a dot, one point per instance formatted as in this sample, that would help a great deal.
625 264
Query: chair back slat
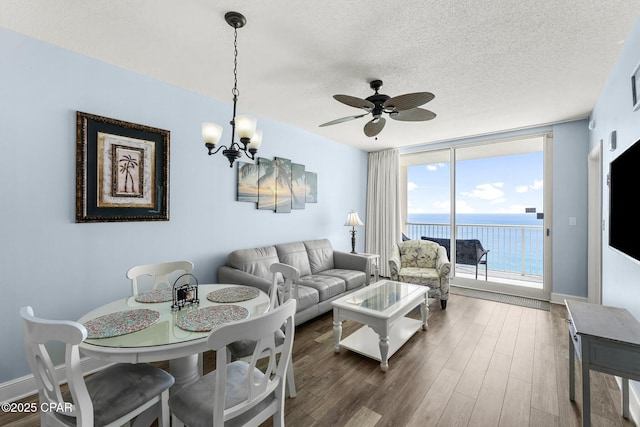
282 291
261 329
37 333
159 272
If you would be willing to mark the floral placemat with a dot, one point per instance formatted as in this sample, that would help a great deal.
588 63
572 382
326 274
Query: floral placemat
204 319
121 323
156 295
233 294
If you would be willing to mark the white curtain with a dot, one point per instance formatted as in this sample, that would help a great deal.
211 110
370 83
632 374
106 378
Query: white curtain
383 226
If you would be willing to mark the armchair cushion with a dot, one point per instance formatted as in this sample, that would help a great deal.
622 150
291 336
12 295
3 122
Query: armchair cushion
422 262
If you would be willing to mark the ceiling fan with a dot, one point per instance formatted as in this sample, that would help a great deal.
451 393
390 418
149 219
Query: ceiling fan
402 107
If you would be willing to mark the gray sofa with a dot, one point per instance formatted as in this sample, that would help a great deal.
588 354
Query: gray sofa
325 274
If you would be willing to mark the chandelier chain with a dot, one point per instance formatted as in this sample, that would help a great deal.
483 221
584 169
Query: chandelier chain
235 90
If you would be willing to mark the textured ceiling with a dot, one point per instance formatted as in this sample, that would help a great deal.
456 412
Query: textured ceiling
493 65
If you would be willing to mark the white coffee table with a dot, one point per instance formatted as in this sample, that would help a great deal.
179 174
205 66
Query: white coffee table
382 308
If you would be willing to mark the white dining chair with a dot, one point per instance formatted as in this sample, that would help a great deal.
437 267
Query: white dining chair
283 288
110 397
241 393
159 272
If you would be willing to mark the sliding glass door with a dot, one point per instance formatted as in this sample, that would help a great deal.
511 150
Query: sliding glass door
487 201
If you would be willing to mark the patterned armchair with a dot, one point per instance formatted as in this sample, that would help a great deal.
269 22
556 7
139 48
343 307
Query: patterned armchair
424 263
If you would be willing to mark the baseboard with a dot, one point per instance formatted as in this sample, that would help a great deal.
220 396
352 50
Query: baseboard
559 298
19 388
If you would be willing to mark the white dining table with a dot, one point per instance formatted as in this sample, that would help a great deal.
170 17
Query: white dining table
164 339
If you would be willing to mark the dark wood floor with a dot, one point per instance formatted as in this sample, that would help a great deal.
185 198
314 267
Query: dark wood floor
481 363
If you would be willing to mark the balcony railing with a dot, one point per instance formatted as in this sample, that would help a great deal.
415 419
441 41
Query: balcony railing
513 248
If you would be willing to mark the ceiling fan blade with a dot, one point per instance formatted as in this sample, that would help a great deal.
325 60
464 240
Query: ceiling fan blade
342 120
352 101
413 115
408 101
373 127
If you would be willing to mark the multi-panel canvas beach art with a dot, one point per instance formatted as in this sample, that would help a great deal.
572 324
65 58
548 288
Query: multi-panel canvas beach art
277 184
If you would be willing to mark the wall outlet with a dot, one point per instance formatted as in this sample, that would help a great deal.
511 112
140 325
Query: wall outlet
572 220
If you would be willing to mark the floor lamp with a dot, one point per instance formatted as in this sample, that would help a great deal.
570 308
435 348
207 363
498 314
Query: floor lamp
352 220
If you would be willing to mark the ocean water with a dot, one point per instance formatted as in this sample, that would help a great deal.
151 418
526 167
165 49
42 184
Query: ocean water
484 218
515 241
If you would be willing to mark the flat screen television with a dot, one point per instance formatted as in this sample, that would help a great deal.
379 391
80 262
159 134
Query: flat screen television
624 218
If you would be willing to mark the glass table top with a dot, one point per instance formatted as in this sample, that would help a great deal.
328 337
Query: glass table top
382 295
165 330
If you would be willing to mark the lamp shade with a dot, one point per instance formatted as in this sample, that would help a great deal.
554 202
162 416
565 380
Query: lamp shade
211 133
353 219
256 140
245 126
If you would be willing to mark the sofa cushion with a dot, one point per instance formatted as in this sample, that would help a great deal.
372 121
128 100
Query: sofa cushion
256 261
353 279
294 254
320 254
307 297
327 286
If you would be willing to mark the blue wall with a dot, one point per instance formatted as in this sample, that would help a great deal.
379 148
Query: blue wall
64 269
613 111
570 196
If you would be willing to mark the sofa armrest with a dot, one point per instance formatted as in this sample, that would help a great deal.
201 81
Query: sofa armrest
442 262
347 261
394 262
234 276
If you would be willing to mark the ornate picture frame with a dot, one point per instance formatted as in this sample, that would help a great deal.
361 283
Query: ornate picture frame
122 170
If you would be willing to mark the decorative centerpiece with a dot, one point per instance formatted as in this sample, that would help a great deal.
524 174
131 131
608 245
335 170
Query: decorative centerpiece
185 293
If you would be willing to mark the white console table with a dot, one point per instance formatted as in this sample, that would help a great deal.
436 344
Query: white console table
606 339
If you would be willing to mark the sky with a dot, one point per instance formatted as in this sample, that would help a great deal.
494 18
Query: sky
506 184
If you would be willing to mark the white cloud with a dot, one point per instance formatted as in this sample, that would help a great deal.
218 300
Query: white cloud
490 191
537 185
434 166
411 186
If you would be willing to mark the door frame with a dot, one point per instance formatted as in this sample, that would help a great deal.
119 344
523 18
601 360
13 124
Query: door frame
594 234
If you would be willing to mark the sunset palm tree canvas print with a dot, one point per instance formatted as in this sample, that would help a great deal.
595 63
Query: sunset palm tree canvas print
266 184
283 185
248 182
311 195
298 186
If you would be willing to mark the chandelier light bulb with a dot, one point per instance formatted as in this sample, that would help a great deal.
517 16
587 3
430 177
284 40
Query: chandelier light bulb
245 126
256 141
211 133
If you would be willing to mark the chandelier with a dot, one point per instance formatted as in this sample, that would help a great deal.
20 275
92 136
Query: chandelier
244 125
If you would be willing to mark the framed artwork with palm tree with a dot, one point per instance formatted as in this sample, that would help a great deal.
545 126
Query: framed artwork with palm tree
122 170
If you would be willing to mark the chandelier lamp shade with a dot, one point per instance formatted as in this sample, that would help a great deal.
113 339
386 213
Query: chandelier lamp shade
244 126
353 220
